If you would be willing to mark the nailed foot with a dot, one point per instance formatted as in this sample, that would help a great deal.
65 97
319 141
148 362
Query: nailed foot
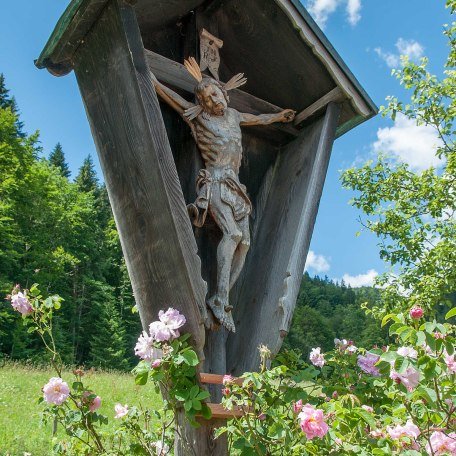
218 306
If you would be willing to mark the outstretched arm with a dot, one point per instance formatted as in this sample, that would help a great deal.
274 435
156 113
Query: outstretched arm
170 97
265 119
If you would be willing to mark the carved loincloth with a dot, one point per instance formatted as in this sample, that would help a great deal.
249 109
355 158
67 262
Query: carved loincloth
232 193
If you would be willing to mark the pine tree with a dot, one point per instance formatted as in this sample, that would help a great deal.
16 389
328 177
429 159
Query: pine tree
57 159
108 341
87 178
7 102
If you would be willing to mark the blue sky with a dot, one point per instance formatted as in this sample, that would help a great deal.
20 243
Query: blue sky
369 35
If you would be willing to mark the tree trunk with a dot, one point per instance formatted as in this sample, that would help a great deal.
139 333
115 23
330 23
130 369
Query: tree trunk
200 441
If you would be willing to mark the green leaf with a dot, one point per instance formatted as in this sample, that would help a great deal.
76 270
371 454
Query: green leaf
190 358
389 356
449 347
188 405
197 404
420 338
203 394
206 412
78 386
367 417
194 391
389 317
451 313
141 378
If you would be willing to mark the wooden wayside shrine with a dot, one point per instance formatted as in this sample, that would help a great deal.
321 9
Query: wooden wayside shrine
124 53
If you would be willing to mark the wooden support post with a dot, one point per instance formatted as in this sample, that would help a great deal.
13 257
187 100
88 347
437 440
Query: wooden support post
267 292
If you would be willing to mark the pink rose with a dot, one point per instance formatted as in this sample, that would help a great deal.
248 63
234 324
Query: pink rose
227 379
450 362
367 363
409 430
95 404
317 358
121 410
410 378
156 364
407 352
56 391
312 422
144 347
416 312
167 327
20 303
297 406
442 443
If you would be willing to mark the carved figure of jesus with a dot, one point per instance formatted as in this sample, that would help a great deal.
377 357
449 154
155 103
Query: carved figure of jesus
216 129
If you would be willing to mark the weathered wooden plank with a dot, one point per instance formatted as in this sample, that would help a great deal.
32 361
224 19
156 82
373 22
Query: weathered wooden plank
219 411
140 175
200 442
266 295
335 95
175 74
216 379
161 12
69 34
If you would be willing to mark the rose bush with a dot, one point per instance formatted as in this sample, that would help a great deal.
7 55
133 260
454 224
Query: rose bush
397 399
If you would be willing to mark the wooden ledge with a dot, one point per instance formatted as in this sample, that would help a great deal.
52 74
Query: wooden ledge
218 411
217 379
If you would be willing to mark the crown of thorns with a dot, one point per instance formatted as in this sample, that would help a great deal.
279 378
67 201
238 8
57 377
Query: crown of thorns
193 68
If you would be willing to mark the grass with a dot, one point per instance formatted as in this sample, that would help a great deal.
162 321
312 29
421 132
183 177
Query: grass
20 414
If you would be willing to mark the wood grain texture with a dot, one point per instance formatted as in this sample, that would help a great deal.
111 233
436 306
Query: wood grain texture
200 441
215 379
218 411
139 170
335 95
267 294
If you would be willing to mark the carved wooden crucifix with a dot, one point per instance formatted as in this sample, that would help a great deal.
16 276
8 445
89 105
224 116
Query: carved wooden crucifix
216 128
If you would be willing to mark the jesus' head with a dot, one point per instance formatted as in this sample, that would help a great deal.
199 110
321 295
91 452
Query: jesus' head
212 97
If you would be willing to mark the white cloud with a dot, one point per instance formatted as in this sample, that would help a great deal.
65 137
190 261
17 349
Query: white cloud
409 143
317 263
392 60
353 10
411 48
361 280
322 9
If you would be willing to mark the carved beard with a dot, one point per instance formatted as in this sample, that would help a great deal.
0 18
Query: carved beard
207 114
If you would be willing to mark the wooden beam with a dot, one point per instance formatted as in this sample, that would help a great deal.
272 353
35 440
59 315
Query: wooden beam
139 170
173 73
218 411
216 379
285 215
335 95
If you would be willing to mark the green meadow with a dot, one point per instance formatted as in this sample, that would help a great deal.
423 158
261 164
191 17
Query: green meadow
21 430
